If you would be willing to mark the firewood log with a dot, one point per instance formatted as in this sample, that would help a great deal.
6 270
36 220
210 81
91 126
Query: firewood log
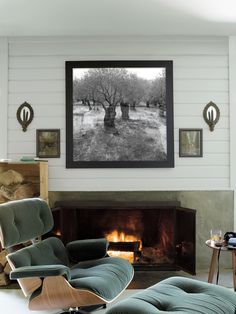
3 259
4 279
7 269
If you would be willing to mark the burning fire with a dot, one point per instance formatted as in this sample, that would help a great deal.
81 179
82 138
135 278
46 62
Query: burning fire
116 236
129 256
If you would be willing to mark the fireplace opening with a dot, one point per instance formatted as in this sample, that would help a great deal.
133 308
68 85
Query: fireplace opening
143 236
150 236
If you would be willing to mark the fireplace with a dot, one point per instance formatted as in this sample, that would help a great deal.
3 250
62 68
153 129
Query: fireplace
151 235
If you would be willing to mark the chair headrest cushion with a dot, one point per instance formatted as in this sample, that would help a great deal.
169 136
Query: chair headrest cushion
24 220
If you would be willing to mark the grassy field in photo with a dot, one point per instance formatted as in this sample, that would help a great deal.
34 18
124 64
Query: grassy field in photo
141 138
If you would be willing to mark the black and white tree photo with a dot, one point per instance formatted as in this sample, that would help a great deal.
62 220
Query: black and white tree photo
119 114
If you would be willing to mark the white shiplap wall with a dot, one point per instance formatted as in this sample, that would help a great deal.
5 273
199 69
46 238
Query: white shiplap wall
3 95
37 75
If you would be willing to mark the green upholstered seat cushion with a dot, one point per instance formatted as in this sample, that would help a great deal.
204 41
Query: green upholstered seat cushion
106 277
23 220
83 250
178 295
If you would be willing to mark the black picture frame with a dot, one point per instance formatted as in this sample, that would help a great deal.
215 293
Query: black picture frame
190 143
48 143
144 150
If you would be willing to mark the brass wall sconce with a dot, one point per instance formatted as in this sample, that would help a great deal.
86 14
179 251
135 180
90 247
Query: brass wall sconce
211 115
25 115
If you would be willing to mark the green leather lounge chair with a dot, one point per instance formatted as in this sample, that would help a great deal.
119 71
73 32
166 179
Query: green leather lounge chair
52 275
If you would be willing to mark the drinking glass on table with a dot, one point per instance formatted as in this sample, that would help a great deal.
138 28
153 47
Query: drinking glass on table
216 236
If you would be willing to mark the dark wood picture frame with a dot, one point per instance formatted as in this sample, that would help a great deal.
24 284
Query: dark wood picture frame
48 143
190 143
80 142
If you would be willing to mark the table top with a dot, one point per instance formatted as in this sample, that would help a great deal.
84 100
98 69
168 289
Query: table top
211 244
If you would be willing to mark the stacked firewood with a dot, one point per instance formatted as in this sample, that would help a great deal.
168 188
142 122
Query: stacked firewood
13 186
4 269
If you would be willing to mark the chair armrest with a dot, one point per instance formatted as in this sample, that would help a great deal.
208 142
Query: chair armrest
82 250
40 271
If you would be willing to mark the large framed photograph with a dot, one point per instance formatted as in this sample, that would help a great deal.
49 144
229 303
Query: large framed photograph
119 114
48 143
190 143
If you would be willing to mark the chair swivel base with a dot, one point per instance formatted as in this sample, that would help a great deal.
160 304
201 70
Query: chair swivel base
84 309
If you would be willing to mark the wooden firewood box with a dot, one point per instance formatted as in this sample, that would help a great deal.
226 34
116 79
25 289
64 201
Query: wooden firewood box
20 180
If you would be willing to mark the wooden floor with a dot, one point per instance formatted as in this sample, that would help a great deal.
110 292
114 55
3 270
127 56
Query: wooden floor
13 301
145 279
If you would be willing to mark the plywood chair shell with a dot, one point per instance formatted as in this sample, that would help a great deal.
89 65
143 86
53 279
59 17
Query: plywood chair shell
28 285
57 293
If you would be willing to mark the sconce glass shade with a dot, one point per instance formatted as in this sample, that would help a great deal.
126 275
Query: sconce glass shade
211 115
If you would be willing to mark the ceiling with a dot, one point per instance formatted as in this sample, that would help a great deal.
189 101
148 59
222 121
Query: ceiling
117 17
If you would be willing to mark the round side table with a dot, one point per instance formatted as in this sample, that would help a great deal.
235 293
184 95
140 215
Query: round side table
215 256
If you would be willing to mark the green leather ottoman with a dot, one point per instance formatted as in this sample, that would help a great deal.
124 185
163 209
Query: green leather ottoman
179 295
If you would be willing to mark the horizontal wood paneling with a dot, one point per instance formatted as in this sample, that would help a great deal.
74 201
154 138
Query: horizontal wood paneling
37 75
111 47
189 109
144 174
195 122
21 74
203 97
36 98
57 62
130 184
3 95
53 86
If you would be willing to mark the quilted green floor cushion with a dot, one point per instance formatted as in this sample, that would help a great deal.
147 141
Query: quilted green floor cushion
179 295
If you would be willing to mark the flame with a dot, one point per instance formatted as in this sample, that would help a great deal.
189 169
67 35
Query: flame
116 236
120 236
126 255
57 233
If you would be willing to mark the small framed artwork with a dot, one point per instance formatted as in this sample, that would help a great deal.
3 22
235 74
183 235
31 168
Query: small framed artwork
190 143
48 143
